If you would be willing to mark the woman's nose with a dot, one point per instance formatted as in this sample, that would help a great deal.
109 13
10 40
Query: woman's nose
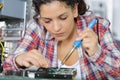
56 26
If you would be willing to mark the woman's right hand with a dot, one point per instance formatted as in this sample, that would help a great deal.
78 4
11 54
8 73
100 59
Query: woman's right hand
31 58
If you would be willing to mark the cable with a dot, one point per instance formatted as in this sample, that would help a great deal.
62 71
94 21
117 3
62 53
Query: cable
98 30
2 55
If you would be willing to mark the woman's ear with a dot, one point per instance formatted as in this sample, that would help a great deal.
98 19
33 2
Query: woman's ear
40 22
75 10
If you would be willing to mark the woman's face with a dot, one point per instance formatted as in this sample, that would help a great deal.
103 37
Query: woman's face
58 19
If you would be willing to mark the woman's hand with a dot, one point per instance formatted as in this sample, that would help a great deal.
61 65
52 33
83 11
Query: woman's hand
90 41
31 58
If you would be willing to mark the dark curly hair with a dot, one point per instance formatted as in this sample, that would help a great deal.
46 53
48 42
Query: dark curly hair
82 8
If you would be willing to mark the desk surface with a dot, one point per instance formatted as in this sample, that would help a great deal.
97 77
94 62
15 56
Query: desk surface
23 78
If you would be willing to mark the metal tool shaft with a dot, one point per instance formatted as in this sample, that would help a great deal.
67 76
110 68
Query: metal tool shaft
67 57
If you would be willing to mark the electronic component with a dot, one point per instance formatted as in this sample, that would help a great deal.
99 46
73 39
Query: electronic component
63 73
46 73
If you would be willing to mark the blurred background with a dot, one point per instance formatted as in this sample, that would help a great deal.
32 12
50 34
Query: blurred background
14 15
109 9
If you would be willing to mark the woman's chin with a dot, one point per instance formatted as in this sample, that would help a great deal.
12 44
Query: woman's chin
60 38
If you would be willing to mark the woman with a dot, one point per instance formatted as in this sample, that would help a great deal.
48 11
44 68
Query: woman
50 36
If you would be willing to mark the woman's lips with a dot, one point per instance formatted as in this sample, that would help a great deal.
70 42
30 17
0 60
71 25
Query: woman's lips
59 34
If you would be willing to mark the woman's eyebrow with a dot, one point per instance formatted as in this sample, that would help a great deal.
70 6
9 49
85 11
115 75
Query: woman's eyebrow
50 18
45 18
62 14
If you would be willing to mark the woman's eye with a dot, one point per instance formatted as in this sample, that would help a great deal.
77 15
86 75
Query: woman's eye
63 18
47 21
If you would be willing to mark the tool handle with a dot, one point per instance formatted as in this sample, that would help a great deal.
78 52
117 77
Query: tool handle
90 25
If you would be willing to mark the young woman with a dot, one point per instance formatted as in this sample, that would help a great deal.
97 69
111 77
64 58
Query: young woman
51 34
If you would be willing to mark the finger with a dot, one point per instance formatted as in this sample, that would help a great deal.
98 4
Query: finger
91 33
79 31
85 33
36 55
26 64
81 36
86 40
40 59
86 45
44 63
88 32
35 58
32 61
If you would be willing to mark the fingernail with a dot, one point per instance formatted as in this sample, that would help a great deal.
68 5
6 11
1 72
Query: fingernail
77 39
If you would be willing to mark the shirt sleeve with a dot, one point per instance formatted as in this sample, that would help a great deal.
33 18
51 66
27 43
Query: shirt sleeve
28 42
107 58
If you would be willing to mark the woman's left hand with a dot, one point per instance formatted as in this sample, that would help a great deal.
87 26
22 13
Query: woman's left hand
90 40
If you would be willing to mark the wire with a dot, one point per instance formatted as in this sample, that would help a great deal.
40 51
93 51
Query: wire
2 55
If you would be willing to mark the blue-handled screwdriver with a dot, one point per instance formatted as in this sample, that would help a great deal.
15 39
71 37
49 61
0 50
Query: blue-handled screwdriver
76 44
